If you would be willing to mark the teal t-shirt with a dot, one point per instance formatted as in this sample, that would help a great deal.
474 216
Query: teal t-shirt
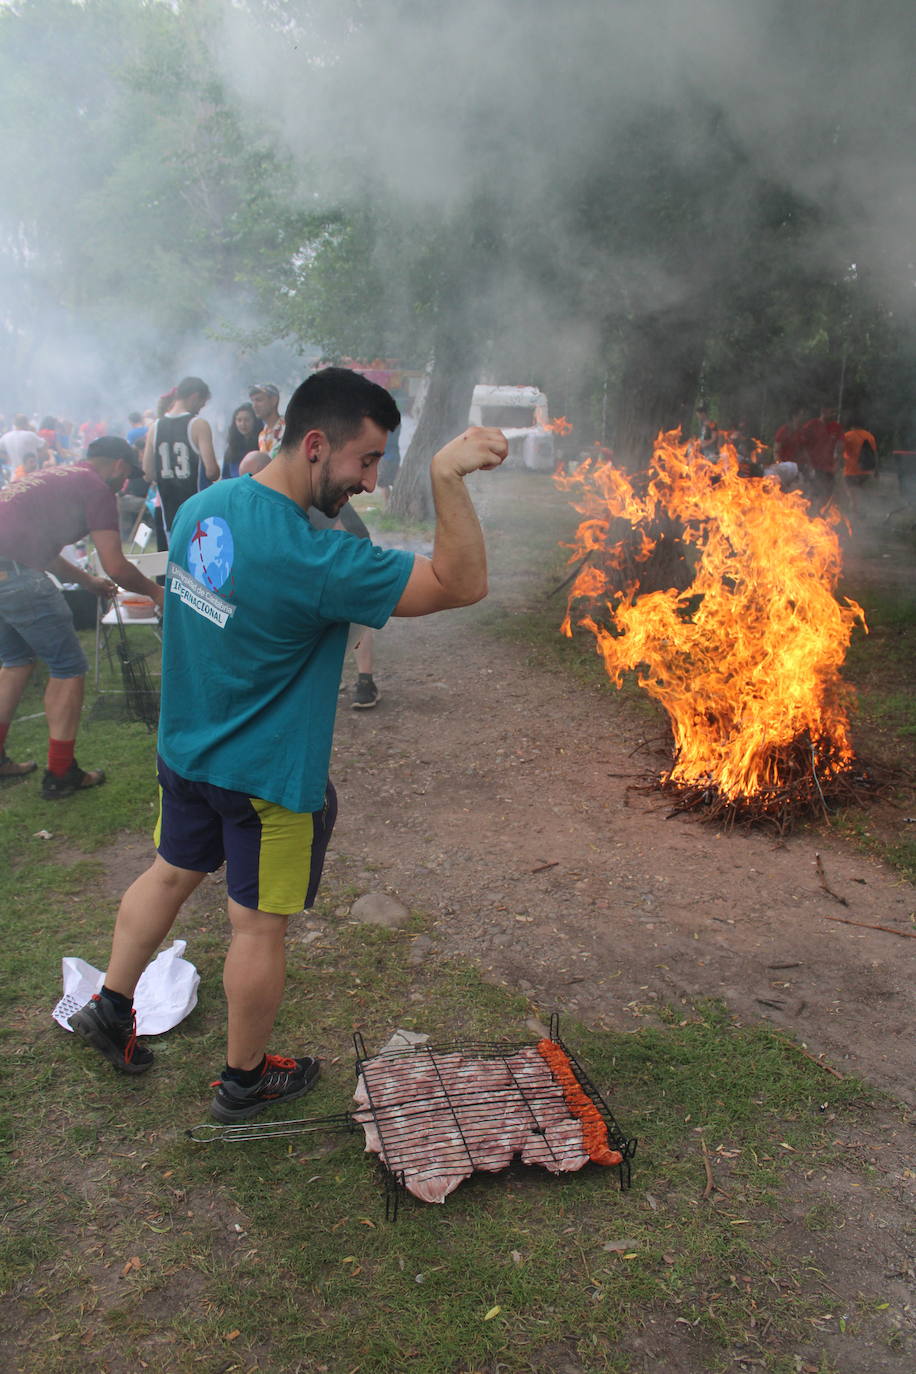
257 609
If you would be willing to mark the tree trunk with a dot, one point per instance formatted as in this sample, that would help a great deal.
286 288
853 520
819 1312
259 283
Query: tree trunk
658 386
444 414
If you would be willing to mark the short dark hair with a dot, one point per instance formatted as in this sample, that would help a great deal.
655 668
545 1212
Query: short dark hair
337 401
135 417
190 386
110 448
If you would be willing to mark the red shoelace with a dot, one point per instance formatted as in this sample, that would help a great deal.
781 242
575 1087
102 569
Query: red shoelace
279 1061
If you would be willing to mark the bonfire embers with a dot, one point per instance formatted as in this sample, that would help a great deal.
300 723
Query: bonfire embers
719 590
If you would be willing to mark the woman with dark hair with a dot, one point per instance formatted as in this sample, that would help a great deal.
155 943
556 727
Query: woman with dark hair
241 439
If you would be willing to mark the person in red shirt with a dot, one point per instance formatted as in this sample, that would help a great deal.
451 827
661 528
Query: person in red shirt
787 439
90 430
39 516
821 448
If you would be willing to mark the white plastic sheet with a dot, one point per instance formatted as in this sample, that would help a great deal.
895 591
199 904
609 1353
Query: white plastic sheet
165 995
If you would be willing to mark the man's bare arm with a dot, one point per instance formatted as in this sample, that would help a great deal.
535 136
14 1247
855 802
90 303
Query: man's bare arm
111 557
202 435
456 575
149 454
65 571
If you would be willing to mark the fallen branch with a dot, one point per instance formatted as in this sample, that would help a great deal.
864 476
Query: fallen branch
710 1181
822 879
572 576
814 1059
542 868
867 925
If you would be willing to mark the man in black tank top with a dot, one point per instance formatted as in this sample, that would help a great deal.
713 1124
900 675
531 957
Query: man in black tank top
177 445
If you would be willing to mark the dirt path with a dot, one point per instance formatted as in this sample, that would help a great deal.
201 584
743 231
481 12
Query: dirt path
494 794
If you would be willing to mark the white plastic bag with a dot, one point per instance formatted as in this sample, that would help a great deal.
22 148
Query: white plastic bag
165 995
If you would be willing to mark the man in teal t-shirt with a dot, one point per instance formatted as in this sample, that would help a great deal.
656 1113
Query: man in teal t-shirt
241 635
257 610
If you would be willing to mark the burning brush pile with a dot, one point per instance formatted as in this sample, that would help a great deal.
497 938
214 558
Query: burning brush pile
719 591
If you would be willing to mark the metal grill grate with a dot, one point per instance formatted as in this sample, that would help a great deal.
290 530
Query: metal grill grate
435 1114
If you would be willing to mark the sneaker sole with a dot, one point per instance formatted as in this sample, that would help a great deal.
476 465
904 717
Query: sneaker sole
87 1030
227 1114
365 705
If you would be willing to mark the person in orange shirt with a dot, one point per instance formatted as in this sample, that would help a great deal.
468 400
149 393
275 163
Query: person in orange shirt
860 463
265 398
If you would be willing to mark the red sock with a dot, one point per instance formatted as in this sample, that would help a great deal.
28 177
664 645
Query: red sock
60 756
4 731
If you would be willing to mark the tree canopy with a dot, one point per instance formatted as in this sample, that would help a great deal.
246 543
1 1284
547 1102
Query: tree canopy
623 204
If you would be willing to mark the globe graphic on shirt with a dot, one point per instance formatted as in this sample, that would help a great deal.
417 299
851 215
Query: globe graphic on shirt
210 552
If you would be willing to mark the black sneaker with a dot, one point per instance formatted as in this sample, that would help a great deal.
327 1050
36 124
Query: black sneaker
113 1036
365 695
76 779
281 1080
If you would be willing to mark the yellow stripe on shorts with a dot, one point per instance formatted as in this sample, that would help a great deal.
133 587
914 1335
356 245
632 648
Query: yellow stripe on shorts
285 858
157 831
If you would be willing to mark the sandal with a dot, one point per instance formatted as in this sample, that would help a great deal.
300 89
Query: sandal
75 779
9 769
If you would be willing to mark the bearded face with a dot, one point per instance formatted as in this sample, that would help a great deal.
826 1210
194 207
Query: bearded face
348 470
332 494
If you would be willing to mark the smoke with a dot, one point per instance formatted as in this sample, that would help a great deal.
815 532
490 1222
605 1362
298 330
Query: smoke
606 160
434 102
555 147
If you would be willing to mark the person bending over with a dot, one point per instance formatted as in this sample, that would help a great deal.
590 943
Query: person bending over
38 517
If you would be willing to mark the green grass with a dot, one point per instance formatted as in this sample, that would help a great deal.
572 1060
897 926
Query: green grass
882 667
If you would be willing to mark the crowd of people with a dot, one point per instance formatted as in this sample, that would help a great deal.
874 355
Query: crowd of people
168 454
813 454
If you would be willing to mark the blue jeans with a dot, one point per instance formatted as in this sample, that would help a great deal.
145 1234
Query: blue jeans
35 622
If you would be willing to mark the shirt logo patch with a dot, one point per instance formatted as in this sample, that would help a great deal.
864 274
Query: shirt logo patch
198 597
211 551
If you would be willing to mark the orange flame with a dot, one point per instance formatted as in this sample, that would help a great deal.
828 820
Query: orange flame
559 426
745 658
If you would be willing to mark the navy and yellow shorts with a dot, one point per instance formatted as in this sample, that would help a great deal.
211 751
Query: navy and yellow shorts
273 857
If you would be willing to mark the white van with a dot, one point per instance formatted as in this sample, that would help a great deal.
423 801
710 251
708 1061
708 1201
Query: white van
521 413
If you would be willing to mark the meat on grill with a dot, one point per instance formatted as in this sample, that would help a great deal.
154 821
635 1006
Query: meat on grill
433 1118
